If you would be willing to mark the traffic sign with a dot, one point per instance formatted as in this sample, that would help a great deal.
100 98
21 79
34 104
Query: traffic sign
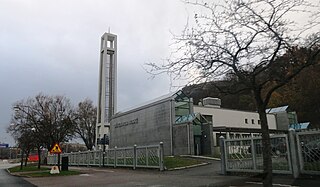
55 149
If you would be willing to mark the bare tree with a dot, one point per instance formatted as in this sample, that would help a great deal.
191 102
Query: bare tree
44 119
253 41
85 120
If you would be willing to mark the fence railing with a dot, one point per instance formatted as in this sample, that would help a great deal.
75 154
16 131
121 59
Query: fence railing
292 153
308 143
135 157
245 154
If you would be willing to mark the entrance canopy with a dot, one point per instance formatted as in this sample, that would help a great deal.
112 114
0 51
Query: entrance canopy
195 118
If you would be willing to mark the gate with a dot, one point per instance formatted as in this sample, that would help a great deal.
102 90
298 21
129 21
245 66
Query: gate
309 151
293 153
245 154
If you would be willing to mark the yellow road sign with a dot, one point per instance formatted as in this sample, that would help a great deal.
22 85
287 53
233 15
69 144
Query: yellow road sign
55 149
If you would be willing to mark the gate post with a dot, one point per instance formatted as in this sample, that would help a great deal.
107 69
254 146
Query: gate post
134 156
222 155
293 153
254 155
161 156
115 157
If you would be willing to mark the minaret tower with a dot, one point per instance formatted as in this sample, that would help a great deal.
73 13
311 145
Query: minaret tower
107 86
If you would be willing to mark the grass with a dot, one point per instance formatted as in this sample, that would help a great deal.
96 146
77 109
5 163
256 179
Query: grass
47 174
174 162
27 168
312 166
33 171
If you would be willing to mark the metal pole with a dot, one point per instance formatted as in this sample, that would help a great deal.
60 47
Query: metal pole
134 156
161 156
254 155
104 148
222 156
115 157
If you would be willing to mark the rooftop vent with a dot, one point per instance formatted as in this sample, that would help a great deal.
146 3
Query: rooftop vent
211 102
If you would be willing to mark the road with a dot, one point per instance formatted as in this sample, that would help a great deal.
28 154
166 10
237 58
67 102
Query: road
202 176
8 180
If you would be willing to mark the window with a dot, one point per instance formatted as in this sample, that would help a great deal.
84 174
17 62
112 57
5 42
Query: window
259 122
246 121
252 121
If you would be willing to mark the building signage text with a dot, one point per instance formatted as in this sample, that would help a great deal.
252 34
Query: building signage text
126 123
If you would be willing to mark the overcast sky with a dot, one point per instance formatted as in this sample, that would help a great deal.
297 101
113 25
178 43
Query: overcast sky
52 47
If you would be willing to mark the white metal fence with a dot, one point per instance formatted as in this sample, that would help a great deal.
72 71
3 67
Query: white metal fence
293 153
309 151
135 157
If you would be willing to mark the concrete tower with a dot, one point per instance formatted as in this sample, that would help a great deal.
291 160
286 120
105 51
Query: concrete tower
107 86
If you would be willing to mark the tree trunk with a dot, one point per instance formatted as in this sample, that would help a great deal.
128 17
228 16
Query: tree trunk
26 159
266 153
22 152
39 157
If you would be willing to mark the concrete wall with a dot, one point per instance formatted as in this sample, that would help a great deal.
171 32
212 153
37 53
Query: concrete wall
148 125
207 139
282 120
183 142
235 118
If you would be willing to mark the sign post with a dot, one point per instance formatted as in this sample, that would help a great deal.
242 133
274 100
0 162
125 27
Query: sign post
56 149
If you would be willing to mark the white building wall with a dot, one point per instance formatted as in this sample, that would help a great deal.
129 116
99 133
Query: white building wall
234 118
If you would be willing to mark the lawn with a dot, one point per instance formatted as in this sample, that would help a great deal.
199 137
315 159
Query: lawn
47 174
27 168
175 162
33 171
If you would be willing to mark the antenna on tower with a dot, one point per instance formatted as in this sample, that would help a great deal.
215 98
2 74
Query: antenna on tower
109 30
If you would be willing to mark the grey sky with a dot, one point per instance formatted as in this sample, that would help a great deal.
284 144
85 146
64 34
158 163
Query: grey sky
53 47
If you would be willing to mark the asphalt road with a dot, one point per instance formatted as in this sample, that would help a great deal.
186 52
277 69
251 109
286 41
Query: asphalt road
7 180
202 176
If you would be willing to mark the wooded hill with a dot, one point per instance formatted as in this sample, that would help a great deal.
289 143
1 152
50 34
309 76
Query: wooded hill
302 95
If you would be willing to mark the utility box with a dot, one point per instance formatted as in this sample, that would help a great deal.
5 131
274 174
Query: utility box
65 163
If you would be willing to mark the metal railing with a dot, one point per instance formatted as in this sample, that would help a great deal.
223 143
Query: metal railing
308 143
292 153
135 157
245 154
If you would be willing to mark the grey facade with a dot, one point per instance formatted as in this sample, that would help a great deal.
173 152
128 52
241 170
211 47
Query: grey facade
169 119
147 125
285 118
